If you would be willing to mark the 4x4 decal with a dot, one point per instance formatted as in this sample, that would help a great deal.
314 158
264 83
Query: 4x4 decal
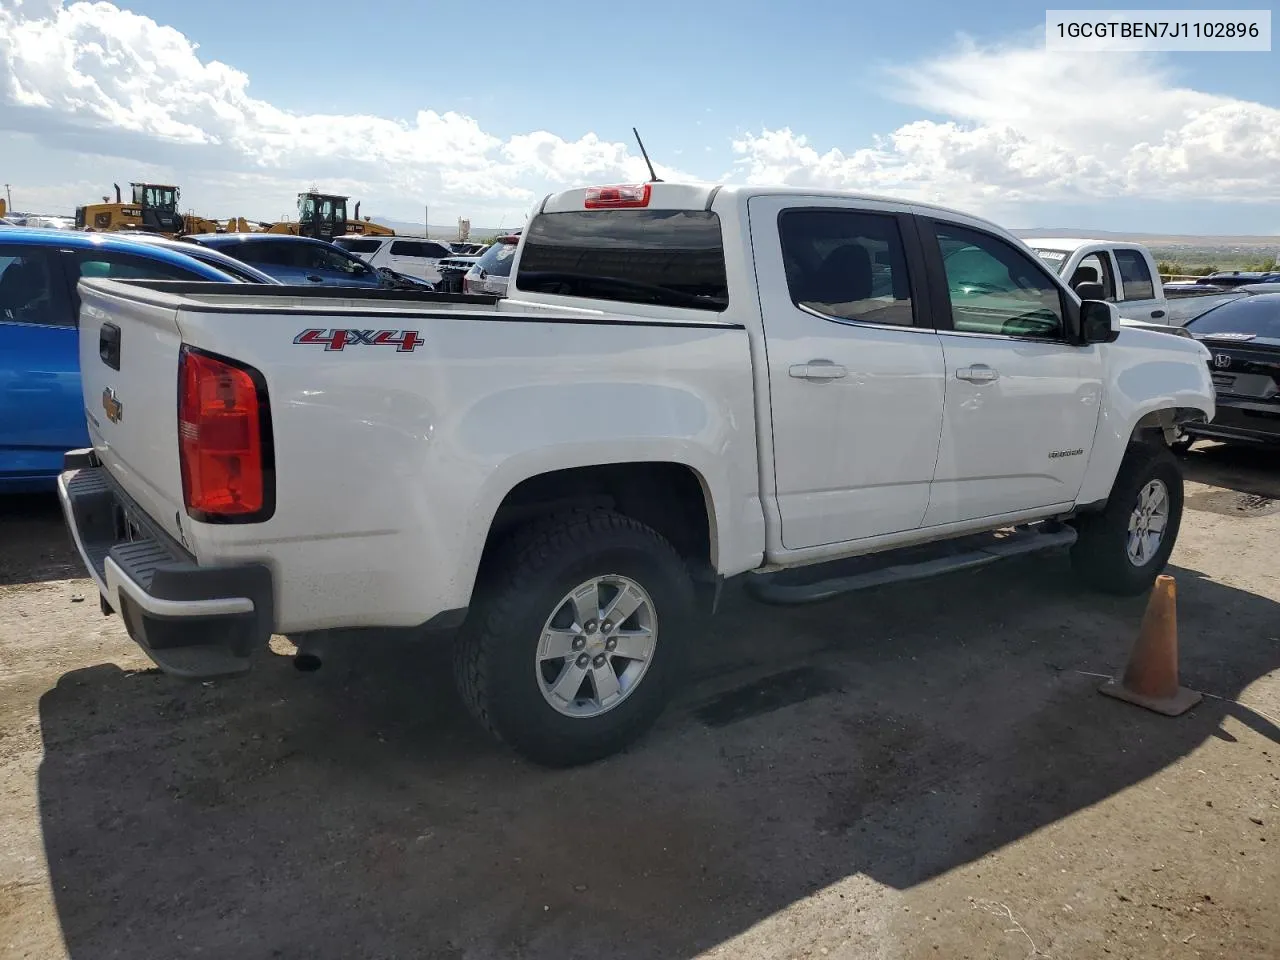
405 341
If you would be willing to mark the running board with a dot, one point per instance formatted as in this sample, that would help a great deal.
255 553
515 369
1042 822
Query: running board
821 581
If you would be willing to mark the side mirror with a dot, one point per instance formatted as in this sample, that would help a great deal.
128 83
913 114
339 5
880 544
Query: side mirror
1090 290
1099 321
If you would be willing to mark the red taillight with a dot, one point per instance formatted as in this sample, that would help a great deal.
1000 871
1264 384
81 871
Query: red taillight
626 195
224 440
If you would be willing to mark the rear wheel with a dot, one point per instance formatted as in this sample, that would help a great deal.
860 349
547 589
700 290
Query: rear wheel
1122 549
573 645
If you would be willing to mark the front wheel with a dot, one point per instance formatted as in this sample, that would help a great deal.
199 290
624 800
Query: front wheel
576 636
1122 549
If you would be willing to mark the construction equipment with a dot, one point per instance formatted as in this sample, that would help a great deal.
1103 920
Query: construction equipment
321 216
153 209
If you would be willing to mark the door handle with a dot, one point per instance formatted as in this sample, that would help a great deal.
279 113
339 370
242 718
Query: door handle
109 345
817 370
1157 314
314 279
978 373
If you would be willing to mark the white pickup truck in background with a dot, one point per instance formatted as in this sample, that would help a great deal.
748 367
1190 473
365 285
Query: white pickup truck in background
1130 279
687 383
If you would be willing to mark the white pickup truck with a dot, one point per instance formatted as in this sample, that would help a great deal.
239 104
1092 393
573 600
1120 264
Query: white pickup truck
1130 279
688 383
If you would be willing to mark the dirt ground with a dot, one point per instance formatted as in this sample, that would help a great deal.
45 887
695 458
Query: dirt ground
920 771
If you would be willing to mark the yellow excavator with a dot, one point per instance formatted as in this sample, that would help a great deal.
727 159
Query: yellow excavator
154 209
320 215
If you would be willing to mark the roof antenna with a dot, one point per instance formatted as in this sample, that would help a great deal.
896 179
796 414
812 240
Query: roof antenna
653 177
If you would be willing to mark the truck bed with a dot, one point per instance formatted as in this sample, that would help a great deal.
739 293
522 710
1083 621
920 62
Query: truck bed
400 421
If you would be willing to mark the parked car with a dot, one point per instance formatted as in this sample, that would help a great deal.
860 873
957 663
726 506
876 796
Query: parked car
302 261
688 383
1129 278
412 256
42 413
1243 338
1238 278
453 270
238 269
492 268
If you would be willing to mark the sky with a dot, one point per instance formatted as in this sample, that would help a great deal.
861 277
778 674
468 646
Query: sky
479 109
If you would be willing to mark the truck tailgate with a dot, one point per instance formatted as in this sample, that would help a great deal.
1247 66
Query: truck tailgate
129 373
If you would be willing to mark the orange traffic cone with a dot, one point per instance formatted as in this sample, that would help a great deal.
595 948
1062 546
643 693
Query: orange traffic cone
1151 678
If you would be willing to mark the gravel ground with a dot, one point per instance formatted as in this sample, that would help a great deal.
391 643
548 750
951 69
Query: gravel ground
919 771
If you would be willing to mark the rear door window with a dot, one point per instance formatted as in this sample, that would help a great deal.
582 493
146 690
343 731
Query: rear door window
672 258
1135 275
267 253
847 265
358 246
407 248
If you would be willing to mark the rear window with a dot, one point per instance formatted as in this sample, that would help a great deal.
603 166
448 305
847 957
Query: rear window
497 260
1258 315
357 246
672 258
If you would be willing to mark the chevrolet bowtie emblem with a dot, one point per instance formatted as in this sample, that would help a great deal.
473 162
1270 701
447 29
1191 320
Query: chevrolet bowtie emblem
111 405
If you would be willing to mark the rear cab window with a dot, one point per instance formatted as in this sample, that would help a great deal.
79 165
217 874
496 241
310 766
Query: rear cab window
671 258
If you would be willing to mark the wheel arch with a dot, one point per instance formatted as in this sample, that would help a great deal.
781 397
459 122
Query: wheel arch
1156 421
686 500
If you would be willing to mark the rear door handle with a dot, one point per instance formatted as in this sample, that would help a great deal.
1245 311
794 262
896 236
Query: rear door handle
817 370
1157 314
978 373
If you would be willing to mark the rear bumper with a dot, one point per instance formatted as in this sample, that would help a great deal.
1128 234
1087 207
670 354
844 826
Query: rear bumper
1240 420
193 621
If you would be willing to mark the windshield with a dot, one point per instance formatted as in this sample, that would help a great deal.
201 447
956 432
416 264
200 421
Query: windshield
1053 258
1258 315
306 208
155 196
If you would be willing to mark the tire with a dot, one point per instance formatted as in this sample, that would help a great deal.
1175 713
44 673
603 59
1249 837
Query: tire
1101 555
524 597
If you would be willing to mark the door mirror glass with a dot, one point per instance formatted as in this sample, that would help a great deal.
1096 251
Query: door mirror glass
1099 322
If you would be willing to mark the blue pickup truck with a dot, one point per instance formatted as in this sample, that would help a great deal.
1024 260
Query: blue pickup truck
41 411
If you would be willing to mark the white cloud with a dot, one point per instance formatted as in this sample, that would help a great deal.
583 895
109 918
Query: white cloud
90 92
92 71
1027 125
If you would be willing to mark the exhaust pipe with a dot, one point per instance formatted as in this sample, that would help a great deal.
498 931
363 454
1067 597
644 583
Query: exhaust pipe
310 655
117 186
357 216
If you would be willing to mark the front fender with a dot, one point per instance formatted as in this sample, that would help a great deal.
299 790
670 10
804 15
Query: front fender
1146 373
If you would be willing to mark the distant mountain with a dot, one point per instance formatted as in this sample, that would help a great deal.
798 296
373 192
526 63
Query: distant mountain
1153 239
408 228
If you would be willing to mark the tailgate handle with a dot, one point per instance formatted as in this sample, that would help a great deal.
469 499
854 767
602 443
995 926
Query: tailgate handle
109 345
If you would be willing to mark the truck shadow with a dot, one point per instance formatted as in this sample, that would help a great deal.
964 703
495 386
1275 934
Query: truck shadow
1251 471
36 545
357 811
